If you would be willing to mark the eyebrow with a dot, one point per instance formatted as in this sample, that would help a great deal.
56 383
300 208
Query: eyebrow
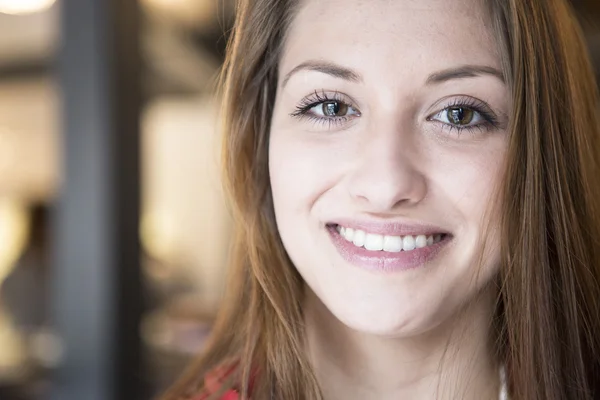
464 71
338 71
325 67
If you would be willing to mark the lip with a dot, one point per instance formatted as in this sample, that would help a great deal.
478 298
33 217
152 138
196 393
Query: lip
395 228
383 261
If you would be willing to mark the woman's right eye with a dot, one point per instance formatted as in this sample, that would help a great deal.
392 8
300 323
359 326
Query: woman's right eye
323 108
328 109
332 108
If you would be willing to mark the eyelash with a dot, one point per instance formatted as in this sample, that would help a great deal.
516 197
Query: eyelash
315 99
490 120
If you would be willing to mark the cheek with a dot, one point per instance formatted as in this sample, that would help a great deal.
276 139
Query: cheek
299 173
472 189
301 170
469 180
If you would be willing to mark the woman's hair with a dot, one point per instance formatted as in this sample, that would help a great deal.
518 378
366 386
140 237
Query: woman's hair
548 309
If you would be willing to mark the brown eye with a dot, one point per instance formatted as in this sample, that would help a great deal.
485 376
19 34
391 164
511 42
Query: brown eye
460 115
334 109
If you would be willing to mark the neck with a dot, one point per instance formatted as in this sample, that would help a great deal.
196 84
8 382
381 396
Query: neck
453 360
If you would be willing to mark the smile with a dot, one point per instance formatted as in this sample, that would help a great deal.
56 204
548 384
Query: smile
387 243
377 252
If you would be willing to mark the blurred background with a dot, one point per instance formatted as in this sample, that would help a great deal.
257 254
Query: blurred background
113 228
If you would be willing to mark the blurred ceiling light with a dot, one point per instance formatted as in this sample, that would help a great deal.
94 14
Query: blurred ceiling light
187 11
19 7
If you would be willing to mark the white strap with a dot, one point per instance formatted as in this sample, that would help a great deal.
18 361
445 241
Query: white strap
503 389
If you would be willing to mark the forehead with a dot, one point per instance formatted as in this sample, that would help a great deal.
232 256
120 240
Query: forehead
392 37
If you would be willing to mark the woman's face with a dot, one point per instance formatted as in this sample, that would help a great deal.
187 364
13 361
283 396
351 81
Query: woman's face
387 138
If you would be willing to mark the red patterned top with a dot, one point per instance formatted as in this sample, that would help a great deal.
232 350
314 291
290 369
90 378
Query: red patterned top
214 381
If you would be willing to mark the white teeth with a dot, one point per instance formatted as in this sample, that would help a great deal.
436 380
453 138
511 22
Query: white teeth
349 234
408 243
393 244
373 242
421 241
429 240
359 238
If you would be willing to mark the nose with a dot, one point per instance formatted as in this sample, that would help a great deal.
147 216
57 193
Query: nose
388 174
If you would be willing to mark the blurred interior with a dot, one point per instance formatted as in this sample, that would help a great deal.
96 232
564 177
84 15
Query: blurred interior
183 227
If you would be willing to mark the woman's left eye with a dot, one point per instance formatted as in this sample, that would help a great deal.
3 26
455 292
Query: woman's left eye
460 117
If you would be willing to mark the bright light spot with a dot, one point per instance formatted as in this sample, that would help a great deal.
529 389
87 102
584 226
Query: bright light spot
19 7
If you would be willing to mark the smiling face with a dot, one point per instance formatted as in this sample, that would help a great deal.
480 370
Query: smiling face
386 143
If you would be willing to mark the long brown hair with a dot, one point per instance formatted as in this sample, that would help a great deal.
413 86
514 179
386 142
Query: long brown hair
548 309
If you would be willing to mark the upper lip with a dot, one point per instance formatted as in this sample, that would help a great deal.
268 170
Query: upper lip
390 227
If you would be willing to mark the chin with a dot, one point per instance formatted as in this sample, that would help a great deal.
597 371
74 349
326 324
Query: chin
385 322
395 328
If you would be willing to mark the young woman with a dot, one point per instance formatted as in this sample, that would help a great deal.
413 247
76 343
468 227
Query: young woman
415 186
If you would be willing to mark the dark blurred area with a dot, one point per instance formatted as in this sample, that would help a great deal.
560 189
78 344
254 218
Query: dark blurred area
113 228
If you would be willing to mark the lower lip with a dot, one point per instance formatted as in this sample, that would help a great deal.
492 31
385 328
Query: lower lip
383 261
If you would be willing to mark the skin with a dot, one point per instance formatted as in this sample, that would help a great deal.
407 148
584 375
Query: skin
421 333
